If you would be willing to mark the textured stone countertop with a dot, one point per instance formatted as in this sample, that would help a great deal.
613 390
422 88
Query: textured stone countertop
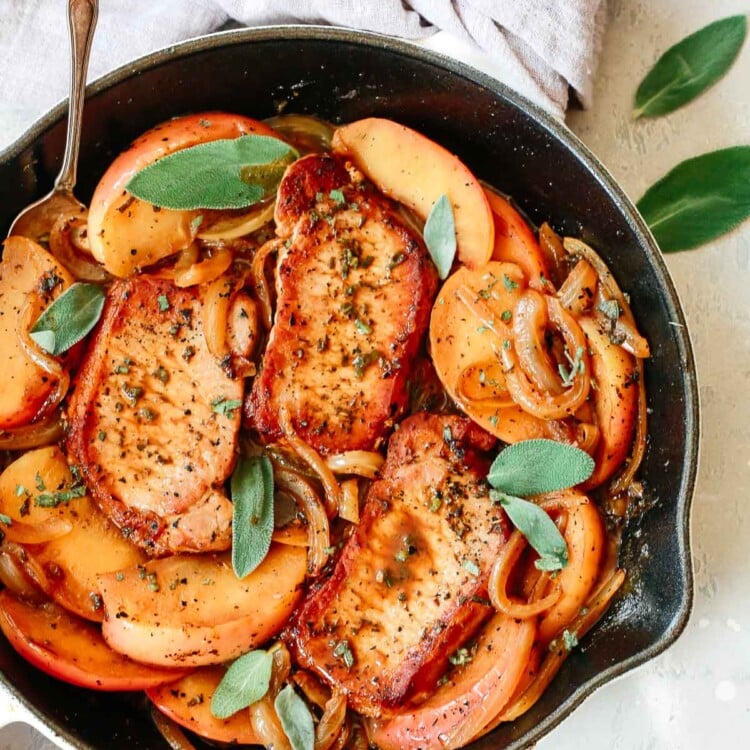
697 694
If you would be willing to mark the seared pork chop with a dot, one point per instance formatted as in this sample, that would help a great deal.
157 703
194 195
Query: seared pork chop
354 289
154 419
410 586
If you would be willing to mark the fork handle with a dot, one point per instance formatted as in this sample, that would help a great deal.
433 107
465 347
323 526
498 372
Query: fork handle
82 15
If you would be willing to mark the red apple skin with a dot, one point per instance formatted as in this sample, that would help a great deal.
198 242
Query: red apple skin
188 703
127 234
73 650
414 170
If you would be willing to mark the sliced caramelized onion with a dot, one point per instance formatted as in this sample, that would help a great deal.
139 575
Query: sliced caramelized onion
220 295
266 724
577 293
69 244
315 691
314 460
170 731
543 404
552 247
260 282
622 481
332 722
530 321
44 361
199 272
625 323
594 608
216 305
498 583
232 227
349 509
306 133
318 530
362 463
14 577
34 435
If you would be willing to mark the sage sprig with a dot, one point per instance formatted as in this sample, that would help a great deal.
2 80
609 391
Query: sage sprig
252 519
245 682
69 318
296 719
690 67
533 467
440 235
699 200
223 174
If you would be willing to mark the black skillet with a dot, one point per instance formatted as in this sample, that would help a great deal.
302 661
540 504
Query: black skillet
343 75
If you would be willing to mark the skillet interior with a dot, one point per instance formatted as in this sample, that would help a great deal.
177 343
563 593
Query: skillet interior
343 75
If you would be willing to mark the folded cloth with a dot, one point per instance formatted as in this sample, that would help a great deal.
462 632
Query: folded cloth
542 48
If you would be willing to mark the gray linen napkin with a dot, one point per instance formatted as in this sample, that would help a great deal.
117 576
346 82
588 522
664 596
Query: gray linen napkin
542 48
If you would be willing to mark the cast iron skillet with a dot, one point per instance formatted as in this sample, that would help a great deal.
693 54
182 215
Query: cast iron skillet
343 75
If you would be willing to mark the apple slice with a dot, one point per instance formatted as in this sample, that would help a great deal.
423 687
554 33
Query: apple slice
470 698
20 486
188 702
615 401
586 540
71 563
73 650
415 171
192 610
515 242
125 233
26 268
464 350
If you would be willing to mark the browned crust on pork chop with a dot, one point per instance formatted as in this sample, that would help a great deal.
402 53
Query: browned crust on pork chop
411 584
354 291
154 419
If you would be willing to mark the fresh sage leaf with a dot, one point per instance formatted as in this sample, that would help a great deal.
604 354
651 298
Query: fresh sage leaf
69 318
222 174
538 528
440 235
245 682
689 67
531 467
252 518
699 200
296 719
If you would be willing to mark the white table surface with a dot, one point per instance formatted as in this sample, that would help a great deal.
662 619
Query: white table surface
697 694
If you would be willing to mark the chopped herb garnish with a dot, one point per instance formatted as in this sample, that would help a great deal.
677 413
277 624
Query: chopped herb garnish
508 283
610 308
147 414
461 657
470 566
21 490
570 639
225 406
362 326
506 316
101 436
342 651
163 301
396 260
161 374
7 520
132 393
337 197
576 366
188 353
53 499
39 482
